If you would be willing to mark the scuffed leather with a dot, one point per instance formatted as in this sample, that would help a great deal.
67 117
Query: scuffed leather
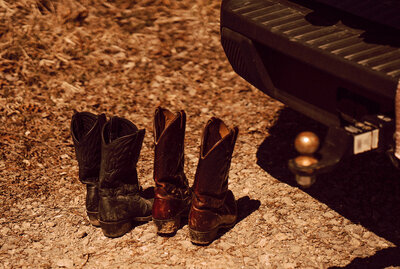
92 198
212 203
172 192
119 188
123 207
165 209
86 135
206 218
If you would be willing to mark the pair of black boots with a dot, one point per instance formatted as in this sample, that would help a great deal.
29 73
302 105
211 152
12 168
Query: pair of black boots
107 153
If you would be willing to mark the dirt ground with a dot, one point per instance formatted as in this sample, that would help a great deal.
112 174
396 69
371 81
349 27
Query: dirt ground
124 58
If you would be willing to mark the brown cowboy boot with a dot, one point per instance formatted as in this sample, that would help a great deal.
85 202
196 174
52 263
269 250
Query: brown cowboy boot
213 205
121 204
86 135
172 192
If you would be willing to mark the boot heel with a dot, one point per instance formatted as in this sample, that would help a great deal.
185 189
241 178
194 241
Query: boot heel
93 218
202 238
115 229
167 226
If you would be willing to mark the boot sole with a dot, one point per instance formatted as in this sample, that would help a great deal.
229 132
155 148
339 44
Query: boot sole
119 228
93 218
205 238
170 226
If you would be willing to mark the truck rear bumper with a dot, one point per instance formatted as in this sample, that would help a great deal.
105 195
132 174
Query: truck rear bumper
315 64
337 68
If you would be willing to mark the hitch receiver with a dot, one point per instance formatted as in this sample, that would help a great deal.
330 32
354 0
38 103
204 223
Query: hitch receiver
375 133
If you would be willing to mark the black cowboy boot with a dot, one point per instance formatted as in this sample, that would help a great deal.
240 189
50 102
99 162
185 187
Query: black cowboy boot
120 203
172 193
213 204
86 135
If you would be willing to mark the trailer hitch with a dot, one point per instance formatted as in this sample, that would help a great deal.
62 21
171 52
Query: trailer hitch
374 133
308 165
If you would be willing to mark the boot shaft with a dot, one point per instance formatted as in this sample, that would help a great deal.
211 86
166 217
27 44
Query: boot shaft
213 205
120 201
86 135
169 135
216 150
121 145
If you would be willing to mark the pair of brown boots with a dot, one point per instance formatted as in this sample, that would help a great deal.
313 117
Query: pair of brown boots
107 154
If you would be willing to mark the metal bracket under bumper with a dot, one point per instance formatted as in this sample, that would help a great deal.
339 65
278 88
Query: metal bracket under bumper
375 133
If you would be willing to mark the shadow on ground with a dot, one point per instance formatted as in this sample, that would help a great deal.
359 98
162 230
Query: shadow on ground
246 207
364 188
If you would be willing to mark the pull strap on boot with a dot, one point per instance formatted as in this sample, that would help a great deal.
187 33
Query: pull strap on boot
120 203
172 192
86 135
213 205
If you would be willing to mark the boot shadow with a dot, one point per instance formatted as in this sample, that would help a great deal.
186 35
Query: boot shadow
245 207
147 193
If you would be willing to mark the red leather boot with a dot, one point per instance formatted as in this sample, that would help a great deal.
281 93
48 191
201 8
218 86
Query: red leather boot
213 205
172 193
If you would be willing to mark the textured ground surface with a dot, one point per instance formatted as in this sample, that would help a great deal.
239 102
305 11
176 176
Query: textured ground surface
124 58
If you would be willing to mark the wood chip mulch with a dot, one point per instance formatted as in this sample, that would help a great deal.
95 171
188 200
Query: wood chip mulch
125 58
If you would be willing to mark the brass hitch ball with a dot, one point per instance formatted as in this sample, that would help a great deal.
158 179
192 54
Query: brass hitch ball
306 143
305 161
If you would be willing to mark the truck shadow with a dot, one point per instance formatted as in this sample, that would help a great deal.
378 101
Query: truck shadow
364 189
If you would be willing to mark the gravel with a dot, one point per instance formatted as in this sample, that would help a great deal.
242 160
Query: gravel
125 58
